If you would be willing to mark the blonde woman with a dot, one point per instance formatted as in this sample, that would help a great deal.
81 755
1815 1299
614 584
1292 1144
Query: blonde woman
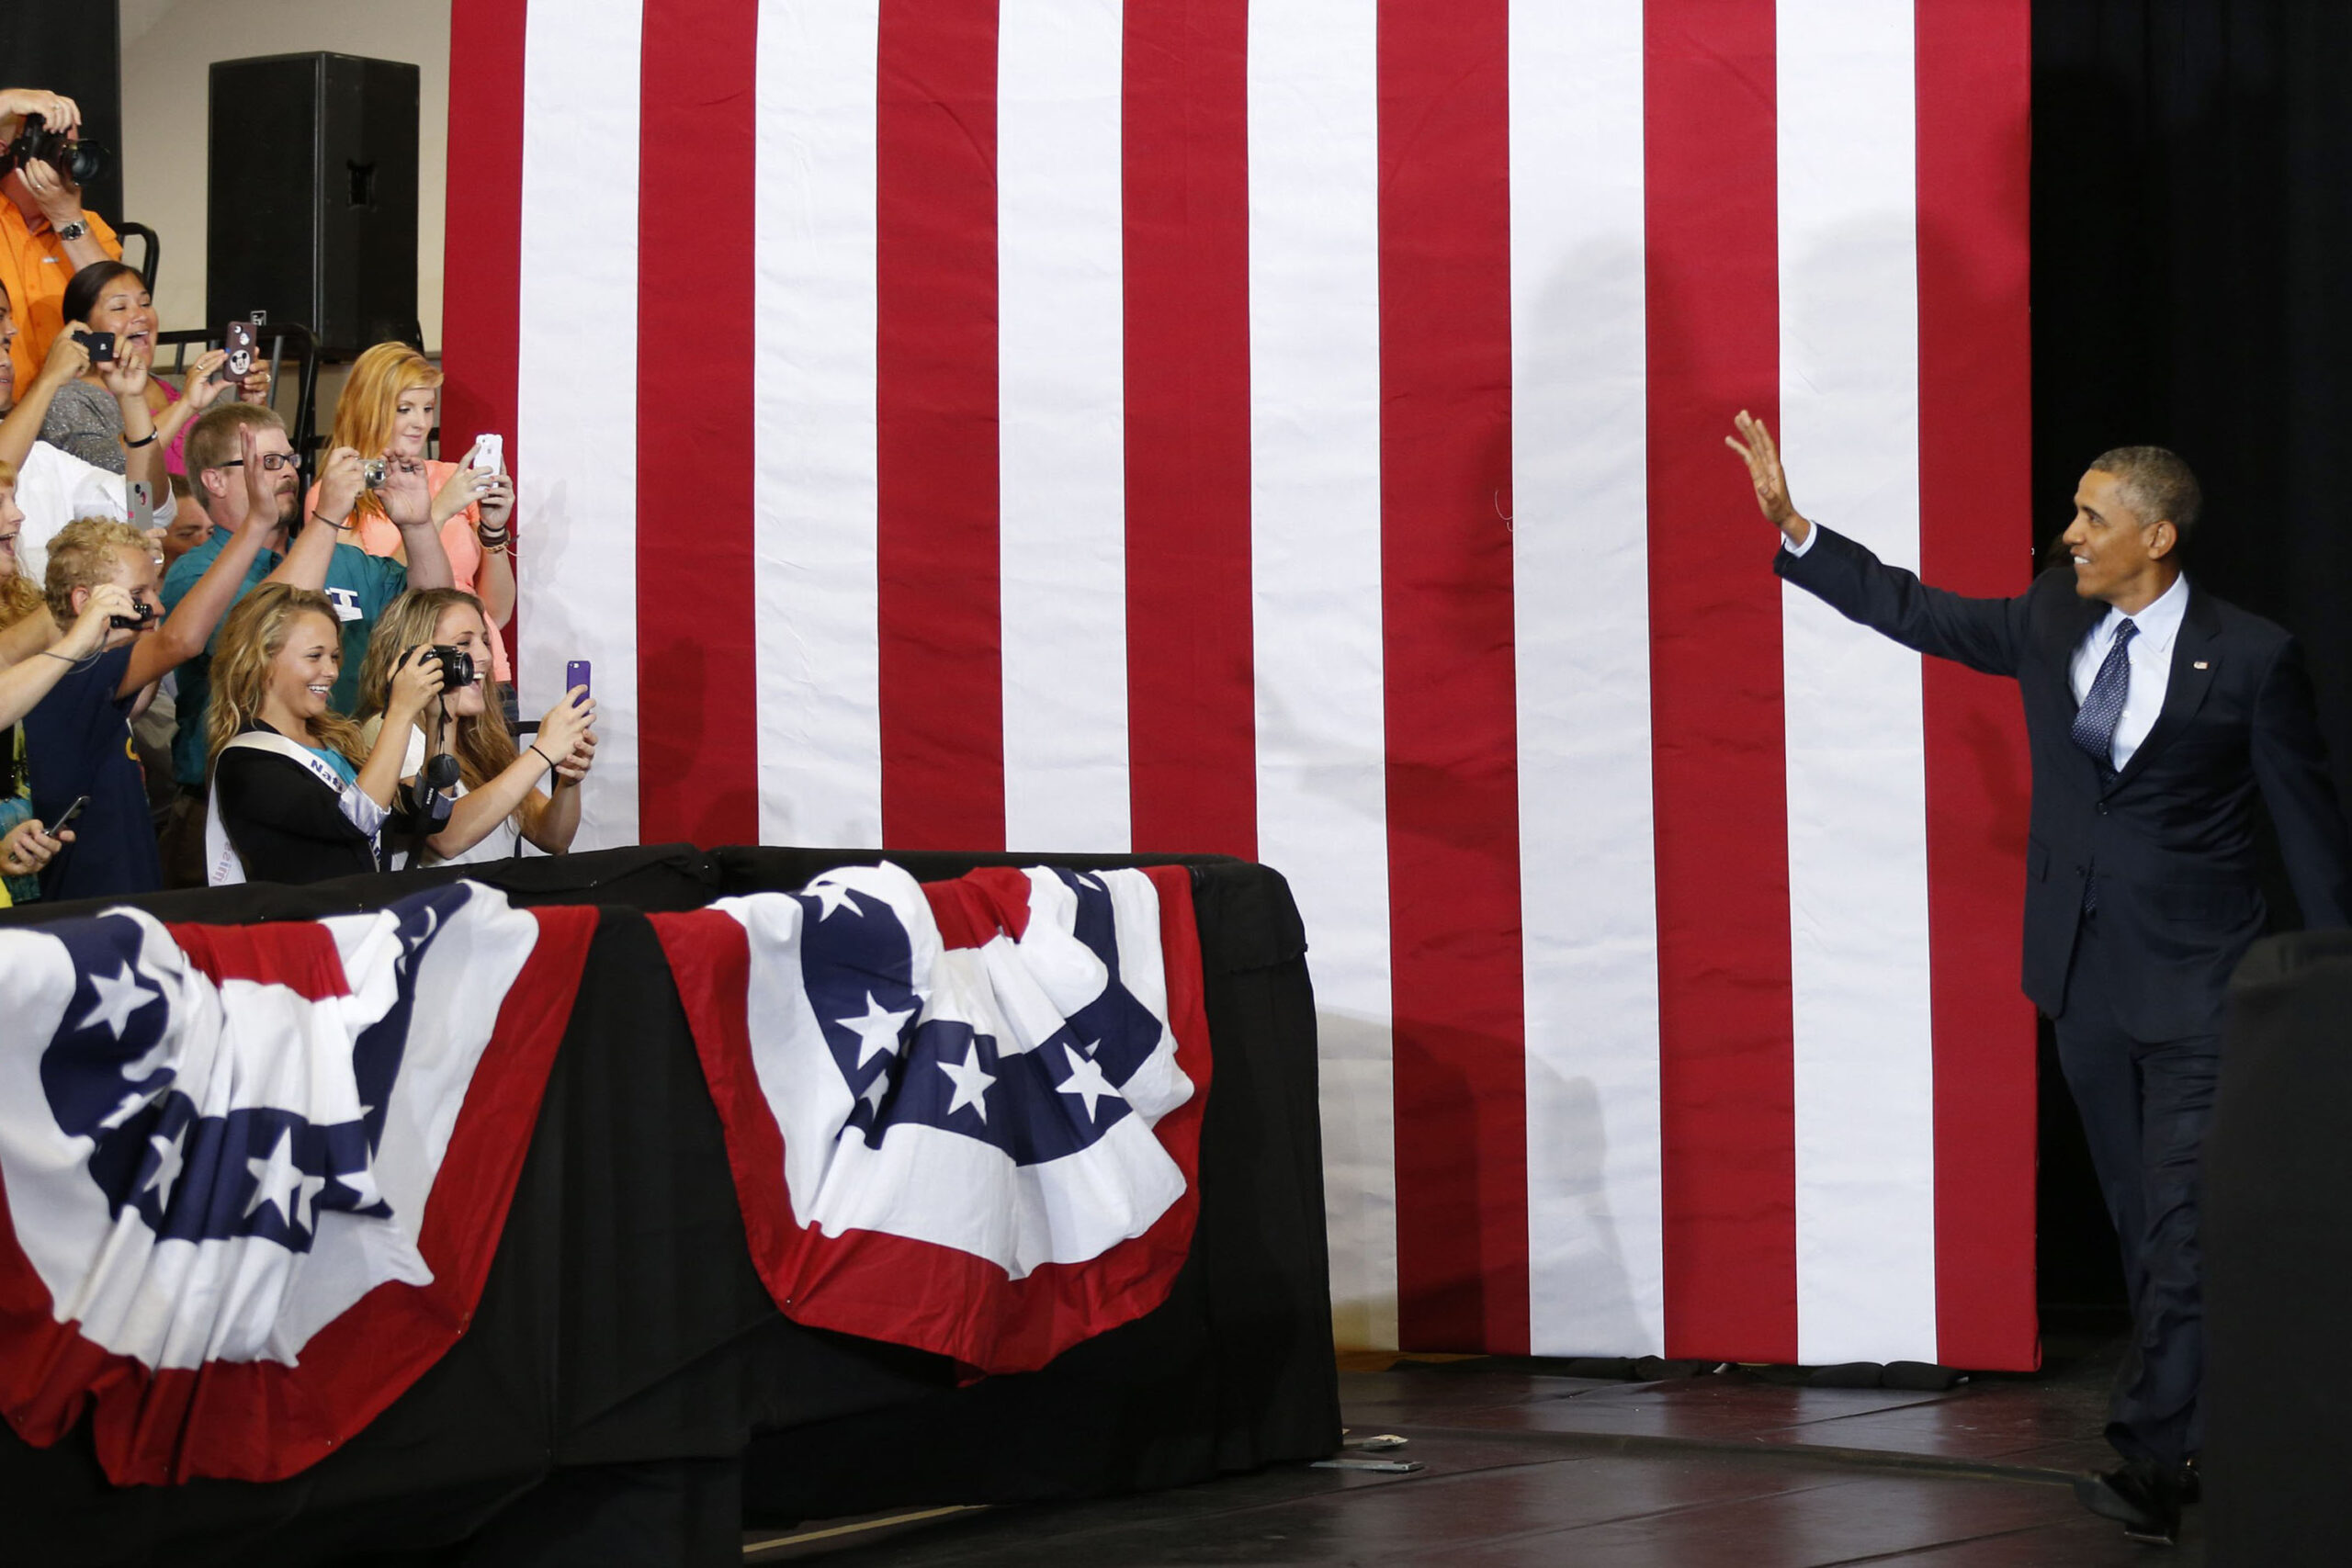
388 409
500 803
297 795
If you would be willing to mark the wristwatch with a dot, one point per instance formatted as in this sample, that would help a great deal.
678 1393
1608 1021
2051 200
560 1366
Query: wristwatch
73 230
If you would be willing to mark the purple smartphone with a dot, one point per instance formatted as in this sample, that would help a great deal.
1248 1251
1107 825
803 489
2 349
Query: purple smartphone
575 674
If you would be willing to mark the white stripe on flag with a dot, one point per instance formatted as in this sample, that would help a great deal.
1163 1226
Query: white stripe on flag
1315 524
815 320
576 340
1580 567
1060 391
1857 869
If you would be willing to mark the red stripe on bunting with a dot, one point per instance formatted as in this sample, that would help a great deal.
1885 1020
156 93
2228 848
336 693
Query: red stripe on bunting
696 650
1451 710
1973 59
1725 1028
482 260
935 364
1193 765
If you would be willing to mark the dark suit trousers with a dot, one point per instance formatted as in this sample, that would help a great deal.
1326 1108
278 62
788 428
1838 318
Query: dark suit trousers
2146 1105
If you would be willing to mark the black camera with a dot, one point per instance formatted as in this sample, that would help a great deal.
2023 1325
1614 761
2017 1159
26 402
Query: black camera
79 161
145 612
456 666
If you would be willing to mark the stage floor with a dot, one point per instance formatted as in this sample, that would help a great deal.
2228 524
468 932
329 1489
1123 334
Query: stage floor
1525 1467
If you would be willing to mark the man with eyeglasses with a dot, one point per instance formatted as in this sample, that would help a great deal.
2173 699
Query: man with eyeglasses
222 446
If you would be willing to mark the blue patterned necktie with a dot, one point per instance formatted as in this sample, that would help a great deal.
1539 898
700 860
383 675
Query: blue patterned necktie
2102 708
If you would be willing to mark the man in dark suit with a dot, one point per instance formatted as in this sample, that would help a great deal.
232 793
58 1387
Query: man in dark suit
2155 712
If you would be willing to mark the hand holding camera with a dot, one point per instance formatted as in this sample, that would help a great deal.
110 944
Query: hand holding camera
29 847
57 112
565 727
340 478
402 490
124 374
68 356
464 486
204 386
109 609
417 679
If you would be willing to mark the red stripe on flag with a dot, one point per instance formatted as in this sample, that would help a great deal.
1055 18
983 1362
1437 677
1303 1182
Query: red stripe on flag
482 257
935 369
698 702
1192 751
1725 1031
1445 438
1975 447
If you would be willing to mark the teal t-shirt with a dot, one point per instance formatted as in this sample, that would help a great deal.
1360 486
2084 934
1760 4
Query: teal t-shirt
362 587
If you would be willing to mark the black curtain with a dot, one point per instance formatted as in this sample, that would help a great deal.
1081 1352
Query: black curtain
2191 213
2192 207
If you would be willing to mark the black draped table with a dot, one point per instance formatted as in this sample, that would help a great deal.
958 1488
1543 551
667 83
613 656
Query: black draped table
627 1391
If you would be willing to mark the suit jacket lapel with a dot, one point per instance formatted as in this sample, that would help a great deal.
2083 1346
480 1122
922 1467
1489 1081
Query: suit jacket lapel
2061 634
2194 660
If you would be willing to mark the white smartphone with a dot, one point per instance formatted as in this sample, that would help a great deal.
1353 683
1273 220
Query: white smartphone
142 505
490 454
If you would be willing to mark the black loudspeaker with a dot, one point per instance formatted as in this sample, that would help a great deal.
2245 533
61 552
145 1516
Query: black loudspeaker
312 210
78 51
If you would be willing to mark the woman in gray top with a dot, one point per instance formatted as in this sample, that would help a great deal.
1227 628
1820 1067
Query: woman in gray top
84 417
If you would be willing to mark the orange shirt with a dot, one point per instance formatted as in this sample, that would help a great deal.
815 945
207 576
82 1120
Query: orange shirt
378 536
35 269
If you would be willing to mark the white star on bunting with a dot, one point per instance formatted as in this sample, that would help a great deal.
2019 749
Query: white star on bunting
170 1156
971 1083
832 896
275 1180
877 1031
1086 1081
119 996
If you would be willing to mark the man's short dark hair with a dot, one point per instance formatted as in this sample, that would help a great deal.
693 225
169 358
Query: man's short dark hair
2157 483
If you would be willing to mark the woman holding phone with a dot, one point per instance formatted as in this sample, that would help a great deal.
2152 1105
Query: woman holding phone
389 408
297 794
97 416
506 796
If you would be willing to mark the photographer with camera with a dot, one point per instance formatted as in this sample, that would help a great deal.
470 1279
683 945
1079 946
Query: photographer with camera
77 739
115 410
45 236
387 408
52 485
498 803
244 468
297 794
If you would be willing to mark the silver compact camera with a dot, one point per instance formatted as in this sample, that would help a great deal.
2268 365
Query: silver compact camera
373 471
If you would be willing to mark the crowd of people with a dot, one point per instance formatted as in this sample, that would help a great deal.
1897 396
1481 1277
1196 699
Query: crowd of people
205 674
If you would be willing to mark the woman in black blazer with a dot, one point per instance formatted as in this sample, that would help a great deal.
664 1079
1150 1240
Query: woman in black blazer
297 797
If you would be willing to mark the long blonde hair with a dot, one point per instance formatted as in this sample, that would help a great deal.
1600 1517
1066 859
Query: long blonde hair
363 413
251 640
483 744
19 594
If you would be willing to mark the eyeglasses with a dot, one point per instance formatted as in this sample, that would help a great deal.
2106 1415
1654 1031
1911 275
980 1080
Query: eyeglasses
273 462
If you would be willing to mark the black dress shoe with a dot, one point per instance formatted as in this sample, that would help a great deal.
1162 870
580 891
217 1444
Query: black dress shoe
2142 1498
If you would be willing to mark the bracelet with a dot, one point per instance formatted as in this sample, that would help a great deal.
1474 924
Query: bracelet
343 525
146 440
69 659
544 757
497 541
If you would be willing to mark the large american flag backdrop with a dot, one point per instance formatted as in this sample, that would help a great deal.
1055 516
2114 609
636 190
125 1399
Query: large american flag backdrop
1293 428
